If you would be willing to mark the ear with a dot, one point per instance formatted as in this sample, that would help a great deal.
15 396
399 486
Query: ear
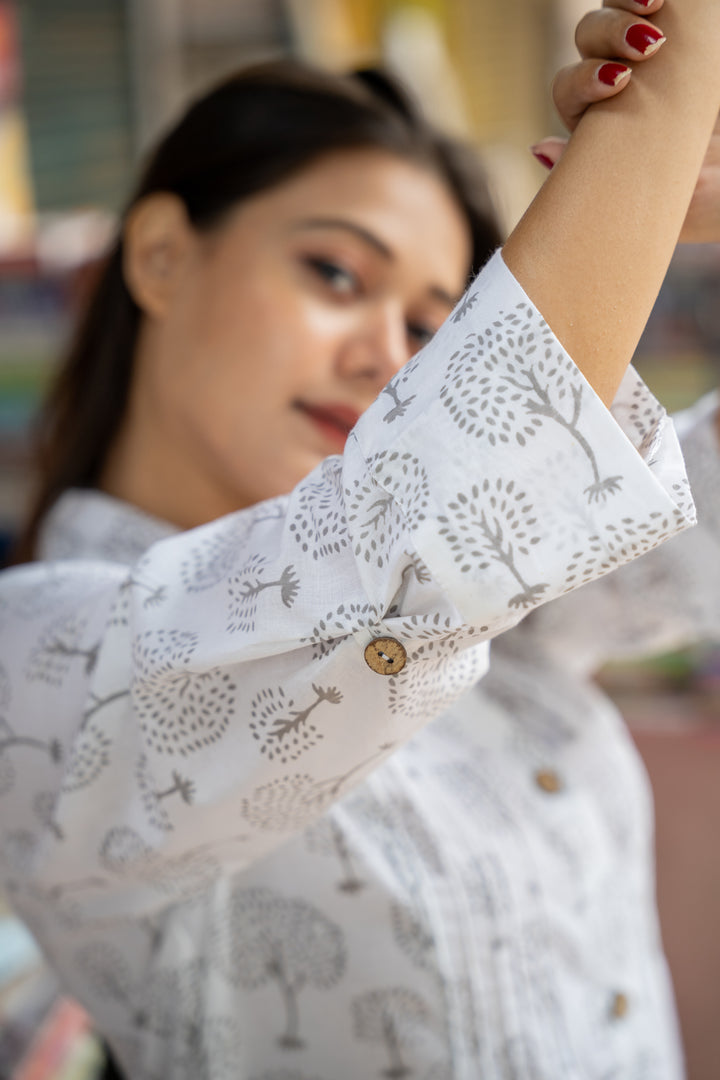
157 240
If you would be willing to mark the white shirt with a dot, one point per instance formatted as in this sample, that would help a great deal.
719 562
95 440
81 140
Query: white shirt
250 855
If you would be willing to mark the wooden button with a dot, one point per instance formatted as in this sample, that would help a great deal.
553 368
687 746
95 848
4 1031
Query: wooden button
620 1006
548 781
386 656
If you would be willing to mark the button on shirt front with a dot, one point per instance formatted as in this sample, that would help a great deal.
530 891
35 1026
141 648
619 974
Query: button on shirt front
385 656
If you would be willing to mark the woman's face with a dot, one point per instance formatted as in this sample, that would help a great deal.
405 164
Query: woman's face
282 326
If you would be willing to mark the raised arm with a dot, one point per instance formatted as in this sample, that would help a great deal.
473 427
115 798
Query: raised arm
593 247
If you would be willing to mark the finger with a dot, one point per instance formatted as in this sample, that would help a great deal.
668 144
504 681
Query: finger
549 151
577 87
617 34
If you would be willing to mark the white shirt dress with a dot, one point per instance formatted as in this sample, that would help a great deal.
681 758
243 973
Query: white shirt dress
255 806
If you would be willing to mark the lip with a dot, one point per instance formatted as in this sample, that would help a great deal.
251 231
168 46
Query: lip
334 421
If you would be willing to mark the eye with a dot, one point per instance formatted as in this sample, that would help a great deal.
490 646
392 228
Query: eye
339 278
420 335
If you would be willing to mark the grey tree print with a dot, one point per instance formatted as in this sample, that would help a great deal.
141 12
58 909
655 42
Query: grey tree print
153 594
339 624
413 935
395 495
214 557
397 388
682 493
181 786
123 850
495 523
644 414
394 1018
465 306
155 810
399 405
59 646
159 652
403 476
432 626
439 678
375 520
614 544
246 588
288 802
283 730
415 569
180 711
284 942
295 801
10 739
97 704
327 838
319 525
88 757
509 381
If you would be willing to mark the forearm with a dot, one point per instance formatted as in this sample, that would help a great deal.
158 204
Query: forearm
592 249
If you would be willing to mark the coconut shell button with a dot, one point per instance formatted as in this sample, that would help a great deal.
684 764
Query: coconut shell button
386 656
620 1006
549 781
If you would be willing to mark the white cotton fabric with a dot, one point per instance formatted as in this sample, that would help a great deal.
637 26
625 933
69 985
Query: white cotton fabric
248 854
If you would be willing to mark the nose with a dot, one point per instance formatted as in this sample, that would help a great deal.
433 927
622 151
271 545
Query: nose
376 346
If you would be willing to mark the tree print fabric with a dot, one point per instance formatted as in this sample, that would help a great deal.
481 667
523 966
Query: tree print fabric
250 855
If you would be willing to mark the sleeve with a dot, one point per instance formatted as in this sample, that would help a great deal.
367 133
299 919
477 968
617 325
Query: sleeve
243 675
666 600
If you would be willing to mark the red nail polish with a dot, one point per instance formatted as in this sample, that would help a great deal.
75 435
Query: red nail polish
644 39
644 3
611 74
543 159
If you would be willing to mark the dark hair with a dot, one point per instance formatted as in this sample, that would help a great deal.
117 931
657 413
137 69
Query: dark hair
251 132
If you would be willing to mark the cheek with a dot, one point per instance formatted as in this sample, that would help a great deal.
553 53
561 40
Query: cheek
246 347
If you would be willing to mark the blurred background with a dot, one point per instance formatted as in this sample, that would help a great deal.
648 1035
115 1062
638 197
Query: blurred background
85 87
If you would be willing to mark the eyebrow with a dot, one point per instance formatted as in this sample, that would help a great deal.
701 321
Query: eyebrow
372 241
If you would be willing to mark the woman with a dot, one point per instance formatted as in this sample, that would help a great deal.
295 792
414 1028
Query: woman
186 709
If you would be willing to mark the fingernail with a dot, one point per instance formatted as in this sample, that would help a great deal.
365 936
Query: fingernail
644 39
612 74
644 3
542 158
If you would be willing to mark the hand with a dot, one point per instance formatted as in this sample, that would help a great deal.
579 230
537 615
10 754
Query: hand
601 35
609 41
